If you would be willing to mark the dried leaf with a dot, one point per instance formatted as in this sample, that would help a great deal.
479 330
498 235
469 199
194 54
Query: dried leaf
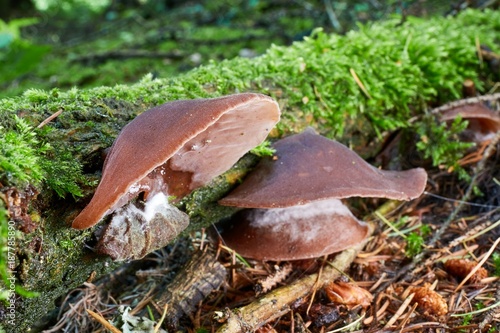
348 294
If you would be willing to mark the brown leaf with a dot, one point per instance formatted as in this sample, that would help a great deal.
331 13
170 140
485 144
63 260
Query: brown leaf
348 294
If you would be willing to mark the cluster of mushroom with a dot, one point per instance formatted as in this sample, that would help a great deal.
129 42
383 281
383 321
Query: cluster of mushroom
294 197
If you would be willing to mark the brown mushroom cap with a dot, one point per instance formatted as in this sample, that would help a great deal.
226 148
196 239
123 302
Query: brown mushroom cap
299 232
177 147
310 167
484 123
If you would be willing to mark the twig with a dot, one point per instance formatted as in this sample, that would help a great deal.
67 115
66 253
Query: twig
316 286
278 302
103 321
89 296
419 327
158 326
472 100
359 83
49 119
331 15
400 311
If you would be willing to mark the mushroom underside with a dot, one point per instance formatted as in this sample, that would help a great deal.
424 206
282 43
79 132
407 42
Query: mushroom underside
207 155
484 123
298 232
295 199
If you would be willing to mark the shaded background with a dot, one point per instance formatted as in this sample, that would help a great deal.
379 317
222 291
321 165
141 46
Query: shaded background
49 44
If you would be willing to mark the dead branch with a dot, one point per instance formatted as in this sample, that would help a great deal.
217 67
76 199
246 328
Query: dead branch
197 279
98 58
493 98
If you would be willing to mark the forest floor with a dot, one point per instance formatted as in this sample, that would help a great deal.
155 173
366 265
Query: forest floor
443 277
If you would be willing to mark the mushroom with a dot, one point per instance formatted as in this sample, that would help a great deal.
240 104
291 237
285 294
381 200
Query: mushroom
295 196
484 123
175 148
298 232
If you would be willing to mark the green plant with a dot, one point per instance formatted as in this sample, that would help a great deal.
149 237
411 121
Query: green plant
496 263
264 149
415 241
18 56
398 65
441 144
62 174
466 321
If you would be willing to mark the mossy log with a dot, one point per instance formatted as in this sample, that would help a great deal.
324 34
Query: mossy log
354 88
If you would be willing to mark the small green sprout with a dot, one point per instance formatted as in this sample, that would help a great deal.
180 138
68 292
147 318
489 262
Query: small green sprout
496 263
264 149
67 244
415 241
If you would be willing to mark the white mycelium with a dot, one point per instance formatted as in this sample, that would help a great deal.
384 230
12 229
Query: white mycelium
286 218
134 232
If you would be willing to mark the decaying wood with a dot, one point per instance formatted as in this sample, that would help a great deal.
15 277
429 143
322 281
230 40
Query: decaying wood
197 279
279 301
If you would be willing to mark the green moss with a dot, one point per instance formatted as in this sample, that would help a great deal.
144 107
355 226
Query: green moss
264 149
496 263
402 69
399 66
20 154
202 206
4 240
